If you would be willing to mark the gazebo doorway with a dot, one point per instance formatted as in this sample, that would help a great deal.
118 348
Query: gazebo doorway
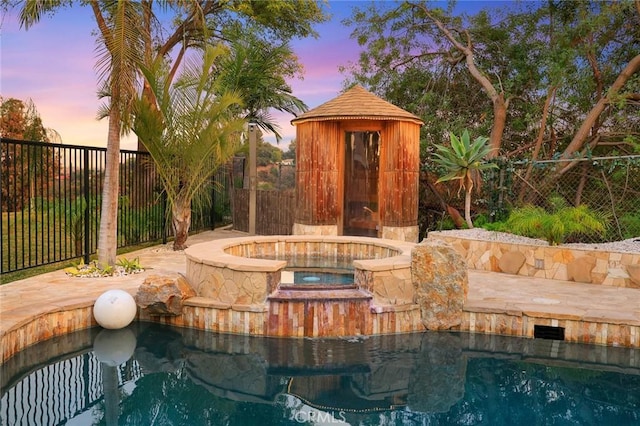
357 168
361 175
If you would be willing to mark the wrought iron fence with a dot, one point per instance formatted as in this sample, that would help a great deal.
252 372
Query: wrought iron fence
76 383
51 199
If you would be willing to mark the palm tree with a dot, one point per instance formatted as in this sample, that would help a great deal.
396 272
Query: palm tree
189 132
463 162
125 32
120 55
118 63
256 70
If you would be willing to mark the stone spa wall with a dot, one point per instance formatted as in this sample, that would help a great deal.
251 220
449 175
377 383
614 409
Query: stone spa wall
554 262
238 286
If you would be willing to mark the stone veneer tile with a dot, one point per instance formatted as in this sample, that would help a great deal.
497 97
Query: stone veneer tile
561 273
478 255
598 278
601 266
601 255
615 257
46 326
587 332
540 273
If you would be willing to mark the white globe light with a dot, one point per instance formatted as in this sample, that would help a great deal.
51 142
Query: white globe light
114 347
115 309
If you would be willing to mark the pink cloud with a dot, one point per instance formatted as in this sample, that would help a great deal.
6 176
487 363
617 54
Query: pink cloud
53 64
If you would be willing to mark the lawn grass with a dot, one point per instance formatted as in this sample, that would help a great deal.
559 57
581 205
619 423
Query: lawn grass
32 239
39 270
40 242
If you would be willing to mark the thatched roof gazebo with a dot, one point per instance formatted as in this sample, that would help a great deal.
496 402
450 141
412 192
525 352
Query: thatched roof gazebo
357 168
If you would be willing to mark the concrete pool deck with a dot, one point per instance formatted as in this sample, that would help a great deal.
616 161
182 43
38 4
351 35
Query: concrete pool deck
37 308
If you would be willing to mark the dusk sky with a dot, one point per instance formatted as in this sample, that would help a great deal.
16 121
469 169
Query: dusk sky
53 64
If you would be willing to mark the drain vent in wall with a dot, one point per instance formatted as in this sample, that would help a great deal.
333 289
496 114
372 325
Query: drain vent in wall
548 332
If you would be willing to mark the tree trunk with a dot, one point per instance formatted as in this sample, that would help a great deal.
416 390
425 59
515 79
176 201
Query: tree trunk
500 104
467 207
543 125
181 221
108 237
499 123
582 134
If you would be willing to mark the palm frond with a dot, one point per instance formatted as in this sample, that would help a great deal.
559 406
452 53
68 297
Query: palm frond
256 70
191 129
120 55
34 9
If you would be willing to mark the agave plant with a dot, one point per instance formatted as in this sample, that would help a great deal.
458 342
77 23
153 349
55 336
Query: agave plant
463 161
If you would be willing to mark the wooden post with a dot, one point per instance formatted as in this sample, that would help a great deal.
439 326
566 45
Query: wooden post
253 178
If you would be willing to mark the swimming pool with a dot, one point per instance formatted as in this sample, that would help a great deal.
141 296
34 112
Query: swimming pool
153 374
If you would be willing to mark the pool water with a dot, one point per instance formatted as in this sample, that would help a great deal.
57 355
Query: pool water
156 375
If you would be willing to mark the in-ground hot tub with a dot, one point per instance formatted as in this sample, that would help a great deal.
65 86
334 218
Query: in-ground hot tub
243 278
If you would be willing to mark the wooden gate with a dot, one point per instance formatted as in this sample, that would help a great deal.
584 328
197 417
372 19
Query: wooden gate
274 211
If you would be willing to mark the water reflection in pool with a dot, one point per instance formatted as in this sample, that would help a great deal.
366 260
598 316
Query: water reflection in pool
150 374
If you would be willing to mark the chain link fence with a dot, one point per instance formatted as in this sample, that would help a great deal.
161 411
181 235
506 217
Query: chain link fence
609 186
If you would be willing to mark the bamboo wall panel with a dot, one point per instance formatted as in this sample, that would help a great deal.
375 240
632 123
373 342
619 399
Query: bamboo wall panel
240 210
274 212
400 163
318 188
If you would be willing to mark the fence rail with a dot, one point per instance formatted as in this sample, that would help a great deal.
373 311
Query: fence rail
51 199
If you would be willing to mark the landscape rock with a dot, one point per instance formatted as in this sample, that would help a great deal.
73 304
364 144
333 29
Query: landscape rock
440 279
164 294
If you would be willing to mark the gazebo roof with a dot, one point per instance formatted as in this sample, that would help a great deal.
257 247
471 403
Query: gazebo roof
357 104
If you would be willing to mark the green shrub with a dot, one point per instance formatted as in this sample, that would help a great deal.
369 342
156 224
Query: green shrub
561 224
130 266
631 225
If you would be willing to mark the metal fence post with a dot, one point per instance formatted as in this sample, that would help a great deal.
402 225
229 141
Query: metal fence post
164 217
213 200
87 211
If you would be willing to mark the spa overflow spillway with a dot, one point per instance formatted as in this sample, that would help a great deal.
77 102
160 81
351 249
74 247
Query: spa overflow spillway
244 285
